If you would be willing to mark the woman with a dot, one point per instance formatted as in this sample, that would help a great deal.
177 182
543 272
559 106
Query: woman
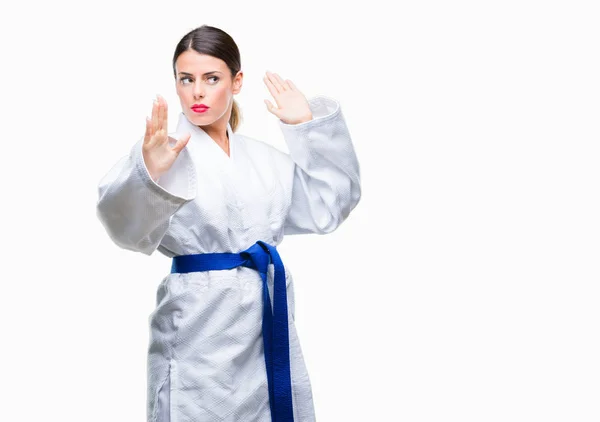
218 203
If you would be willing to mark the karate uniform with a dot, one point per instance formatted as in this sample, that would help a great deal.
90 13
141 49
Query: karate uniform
205 357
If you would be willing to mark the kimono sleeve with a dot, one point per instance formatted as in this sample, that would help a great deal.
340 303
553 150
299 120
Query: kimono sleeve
326 181
134 209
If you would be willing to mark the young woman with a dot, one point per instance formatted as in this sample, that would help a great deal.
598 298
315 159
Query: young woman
223 344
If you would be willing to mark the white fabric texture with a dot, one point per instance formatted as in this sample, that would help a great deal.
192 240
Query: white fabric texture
205 355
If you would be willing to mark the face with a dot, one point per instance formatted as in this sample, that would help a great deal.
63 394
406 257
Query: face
205 80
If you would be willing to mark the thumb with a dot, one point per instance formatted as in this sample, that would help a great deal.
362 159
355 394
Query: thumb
272 108
182 142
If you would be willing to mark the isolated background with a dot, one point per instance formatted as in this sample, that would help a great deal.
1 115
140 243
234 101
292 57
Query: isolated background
464 287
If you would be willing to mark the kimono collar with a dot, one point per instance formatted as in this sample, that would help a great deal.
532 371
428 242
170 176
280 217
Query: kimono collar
198 134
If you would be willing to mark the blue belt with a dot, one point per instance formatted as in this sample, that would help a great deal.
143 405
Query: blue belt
275 322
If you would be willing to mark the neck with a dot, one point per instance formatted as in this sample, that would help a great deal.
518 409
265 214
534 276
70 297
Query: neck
217 131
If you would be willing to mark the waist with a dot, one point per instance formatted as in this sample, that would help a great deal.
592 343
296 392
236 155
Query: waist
258 257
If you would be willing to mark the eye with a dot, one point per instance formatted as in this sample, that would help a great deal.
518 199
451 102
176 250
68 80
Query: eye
185 78
215 78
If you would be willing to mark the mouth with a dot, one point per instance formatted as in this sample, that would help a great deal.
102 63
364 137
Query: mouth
199 108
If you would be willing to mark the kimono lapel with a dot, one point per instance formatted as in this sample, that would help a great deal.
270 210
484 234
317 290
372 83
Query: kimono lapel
204 147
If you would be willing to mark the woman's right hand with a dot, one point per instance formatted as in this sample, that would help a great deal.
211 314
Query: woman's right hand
159 149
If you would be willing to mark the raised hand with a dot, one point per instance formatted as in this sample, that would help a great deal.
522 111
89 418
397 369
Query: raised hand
292 106
160 150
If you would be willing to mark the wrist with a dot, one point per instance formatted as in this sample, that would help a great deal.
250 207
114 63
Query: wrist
303 119
154 174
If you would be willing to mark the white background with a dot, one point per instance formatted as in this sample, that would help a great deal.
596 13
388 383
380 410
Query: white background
464 286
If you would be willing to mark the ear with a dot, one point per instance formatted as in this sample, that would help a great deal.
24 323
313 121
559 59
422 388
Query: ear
238 82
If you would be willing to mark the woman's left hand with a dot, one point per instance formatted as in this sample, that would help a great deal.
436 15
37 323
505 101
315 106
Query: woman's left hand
292 106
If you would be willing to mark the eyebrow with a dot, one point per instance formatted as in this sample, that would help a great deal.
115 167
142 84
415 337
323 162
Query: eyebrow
206 74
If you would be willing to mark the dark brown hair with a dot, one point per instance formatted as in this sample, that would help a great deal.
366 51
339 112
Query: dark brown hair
216 43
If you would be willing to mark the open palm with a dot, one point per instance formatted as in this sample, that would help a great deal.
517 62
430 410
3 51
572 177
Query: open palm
292 106
160 150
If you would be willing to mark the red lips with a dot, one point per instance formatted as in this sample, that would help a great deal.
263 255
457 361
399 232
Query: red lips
200 107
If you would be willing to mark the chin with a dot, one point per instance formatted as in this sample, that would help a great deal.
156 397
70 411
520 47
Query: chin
197 119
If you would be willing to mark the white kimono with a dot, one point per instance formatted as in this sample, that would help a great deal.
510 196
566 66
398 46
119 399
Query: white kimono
205 356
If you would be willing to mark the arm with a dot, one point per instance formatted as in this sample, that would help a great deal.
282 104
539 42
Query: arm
134 209
326 182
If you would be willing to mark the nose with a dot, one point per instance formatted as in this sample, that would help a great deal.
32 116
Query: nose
198 90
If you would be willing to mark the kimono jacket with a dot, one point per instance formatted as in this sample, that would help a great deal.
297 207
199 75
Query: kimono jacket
205 355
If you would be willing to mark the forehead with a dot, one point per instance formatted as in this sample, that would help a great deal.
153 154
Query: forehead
193 62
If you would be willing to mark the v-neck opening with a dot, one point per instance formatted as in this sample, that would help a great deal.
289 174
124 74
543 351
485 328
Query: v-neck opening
229 140
208 139
221 151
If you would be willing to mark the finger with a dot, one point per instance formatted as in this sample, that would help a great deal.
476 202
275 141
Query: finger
272 89
181 143
275 80
148 133
159 113
271 108
291 85
161 132
163 116
154 117
166 116
282 85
